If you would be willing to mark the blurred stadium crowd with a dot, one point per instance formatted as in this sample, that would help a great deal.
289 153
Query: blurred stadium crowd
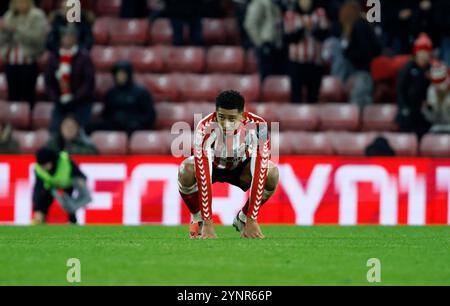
116 82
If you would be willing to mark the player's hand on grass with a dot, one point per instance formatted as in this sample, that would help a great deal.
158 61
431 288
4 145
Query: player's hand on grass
252 230
208 231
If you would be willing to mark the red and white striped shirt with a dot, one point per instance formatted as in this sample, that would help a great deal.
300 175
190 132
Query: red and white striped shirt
214 149
308 49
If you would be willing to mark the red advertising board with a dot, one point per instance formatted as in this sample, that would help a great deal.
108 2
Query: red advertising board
347 191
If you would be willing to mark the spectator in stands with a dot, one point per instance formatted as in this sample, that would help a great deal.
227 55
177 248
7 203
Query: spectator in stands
354 52
412 86
134 9
22 41
72 139
379 147
8 145
59 21
70 80
437 107
264 26
186 12
128 106
240 11
306 28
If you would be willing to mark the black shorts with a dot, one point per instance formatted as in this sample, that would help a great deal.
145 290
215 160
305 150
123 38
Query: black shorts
231 176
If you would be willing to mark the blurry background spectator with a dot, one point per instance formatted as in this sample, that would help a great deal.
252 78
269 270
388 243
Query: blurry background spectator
186 12
413 82
240 10
437 108
379 147
70 80
8 145
128 106
72 139
59 21
134 9
264 25
306 28
22 41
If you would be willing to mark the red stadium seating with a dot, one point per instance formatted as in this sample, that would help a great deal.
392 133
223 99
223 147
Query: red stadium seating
30 142
197 87
111 143
186 59
150 143
310 143
268 111
331 90
298 117
403 144
202 109
281 143
351 144
170 113
16 113
214 31
3 87
225 59
162 87
41 91
380 117
435 146
129 32
251 62
247 85
104 81
108 7
147 59
232 30
101 29
161 32
335 116
276 89
104 57
42 115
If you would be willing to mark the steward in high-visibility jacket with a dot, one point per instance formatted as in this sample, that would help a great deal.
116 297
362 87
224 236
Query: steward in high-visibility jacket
58 177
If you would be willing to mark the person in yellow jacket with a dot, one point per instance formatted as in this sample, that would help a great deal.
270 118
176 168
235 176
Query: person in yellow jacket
58 177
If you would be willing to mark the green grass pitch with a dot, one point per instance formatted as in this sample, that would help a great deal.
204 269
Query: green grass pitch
154 255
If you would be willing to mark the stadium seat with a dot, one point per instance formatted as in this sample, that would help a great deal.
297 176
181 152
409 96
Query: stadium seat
103 82
298 117
247 85
435 145
304 143
16 113
403 144
281 143
42 115
251 62
41 90
150 143
146 59
101 29
111 143
170 113
380 117
335 116
201 109
225 60
268 111
351 144
163 87
276 89
3 87
108 7
30 142
197 87
232 31
185 59
214 31
161 32
331 90
129 32
104 57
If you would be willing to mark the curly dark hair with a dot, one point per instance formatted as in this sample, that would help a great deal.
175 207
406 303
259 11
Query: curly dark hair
230 99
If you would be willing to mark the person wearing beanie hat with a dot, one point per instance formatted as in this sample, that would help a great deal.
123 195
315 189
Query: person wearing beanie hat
437 108
58 177
412 85
70 79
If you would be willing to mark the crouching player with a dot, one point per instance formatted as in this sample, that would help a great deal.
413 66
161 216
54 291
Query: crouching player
230 146
58 177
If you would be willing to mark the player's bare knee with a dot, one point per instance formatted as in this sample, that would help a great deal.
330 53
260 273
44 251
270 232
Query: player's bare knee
272 177
186 173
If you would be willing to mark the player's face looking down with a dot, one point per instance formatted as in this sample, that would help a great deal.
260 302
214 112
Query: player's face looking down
229 119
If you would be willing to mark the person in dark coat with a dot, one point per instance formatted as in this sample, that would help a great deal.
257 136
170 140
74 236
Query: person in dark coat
128 106
412 86
70 80
134 9
186 12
